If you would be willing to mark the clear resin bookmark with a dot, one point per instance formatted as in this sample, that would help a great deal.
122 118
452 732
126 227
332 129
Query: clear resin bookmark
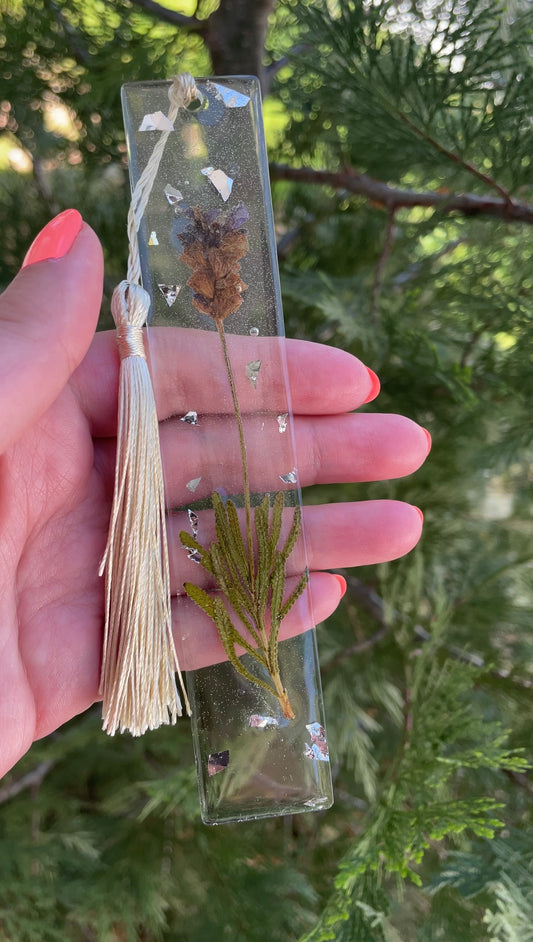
243 619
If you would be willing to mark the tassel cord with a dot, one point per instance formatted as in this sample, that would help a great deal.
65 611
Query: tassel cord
139 663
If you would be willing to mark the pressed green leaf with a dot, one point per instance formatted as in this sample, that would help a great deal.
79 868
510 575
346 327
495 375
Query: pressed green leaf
276 520
264 554
230 540
295 595
294 533
190 542
276 602
238 546
202 599
226 632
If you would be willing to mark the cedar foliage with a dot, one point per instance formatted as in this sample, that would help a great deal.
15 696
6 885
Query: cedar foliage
427 665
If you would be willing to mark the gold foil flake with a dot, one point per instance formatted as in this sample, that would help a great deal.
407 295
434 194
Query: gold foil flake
172 194
229 96
170 293
156 122
153 240
218 762
319 747
262 722
193 484
191 418
252 371
290 478
282 421
220 180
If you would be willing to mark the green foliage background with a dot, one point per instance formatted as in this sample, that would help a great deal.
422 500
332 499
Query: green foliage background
428 664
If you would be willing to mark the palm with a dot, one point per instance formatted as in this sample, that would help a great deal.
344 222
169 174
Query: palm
53 537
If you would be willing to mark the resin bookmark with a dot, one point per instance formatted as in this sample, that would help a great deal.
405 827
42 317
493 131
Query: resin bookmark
237 555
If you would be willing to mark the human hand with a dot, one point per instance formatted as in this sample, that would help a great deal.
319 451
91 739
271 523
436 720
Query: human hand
58 385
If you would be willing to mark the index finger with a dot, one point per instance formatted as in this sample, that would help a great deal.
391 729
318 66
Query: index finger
188 374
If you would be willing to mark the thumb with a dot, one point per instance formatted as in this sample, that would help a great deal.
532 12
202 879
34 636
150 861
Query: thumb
48 316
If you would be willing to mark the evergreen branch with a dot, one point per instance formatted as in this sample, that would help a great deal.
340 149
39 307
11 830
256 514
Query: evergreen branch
392 198
470 168
31 780
375 605
380 266
190 23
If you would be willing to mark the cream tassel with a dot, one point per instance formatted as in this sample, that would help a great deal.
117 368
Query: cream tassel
139 658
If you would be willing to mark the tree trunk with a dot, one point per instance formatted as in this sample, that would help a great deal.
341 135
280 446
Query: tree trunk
236 37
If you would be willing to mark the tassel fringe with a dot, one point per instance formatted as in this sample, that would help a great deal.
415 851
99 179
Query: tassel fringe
139 657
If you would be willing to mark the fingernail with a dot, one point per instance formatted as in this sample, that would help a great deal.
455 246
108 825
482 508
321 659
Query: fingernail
375 387
55 240
419 512
342 583
428 436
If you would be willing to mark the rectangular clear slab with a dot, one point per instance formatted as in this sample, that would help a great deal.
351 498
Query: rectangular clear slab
208 259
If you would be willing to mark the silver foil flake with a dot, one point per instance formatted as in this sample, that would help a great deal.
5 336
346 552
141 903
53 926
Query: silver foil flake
252 371
191 418
262 722
254 331
156 122
229 96
153 240
172 194
220 180
193 520
170 293
282 421
218 762
319 747
290 478
194 556
193 484
320 802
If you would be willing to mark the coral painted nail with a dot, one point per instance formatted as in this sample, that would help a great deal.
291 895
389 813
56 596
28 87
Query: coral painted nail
55 240
375 387
342 582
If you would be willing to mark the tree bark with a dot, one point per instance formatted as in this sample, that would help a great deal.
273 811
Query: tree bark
235 38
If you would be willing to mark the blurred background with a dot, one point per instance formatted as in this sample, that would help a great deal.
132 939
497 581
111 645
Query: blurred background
400 136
